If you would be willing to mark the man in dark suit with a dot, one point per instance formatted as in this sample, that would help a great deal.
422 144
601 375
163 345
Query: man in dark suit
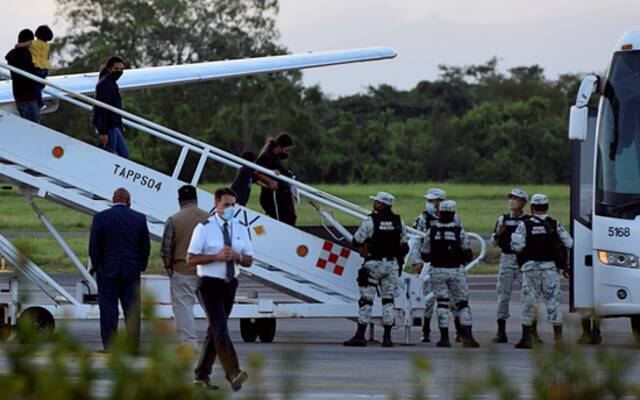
119 250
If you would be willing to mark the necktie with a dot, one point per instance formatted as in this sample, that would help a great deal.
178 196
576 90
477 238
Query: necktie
231 272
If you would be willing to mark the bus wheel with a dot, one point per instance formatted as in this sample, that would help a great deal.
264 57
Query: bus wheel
635 327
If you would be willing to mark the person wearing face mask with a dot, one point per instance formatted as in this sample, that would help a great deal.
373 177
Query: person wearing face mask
382 241
509 273
425 220
119 251
278 204
541 244
182 276
107 123
218 245
448 246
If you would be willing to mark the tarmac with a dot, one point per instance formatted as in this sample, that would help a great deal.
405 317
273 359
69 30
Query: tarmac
308 352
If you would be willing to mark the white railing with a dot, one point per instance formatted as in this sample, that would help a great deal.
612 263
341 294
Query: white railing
188 143
208 151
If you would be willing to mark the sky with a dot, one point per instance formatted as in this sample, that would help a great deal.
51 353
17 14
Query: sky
560 35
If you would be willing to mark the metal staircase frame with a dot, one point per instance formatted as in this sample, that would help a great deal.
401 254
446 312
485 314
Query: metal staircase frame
322 298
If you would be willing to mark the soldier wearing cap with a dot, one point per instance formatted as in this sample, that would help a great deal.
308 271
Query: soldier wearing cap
448 245
423 222
382 238
509 273
536 241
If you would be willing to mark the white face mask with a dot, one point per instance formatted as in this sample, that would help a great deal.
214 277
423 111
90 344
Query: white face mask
228 213
431 208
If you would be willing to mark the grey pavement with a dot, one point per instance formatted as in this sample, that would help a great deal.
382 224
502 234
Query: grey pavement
323 369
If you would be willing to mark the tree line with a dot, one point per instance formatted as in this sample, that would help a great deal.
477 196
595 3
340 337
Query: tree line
471 124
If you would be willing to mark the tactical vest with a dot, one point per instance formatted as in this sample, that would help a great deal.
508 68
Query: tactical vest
385 242
445 246
429 218
539 245
510 223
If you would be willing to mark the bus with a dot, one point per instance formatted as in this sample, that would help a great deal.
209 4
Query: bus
605 188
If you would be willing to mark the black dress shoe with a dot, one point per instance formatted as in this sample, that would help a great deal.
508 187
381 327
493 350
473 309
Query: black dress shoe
205 384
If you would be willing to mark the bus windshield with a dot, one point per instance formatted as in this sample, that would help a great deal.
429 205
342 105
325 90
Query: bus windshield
618 166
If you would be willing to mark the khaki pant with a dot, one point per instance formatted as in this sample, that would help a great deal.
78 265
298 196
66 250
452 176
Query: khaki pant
183 298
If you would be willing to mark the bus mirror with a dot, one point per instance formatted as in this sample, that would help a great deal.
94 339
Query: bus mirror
578 118
587 87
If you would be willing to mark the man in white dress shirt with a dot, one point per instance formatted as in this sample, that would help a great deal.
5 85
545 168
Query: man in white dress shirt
217 246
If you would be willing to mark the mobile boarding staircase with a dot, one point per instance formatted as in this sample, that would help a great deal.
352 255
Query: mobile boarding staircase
50 165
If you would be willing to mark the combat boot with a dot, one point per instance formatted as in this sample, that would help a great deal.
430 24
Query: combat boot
525 341
426 331
458 325
372 337
596 336
358 339
386 338
535 337
444 338
557 335
501 335
467 338
586 331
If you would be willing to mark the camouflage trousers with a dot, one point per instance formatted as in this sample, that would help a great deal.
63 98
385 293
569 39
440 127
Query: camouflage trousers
383 277
508 276
430 304
541 280
450 288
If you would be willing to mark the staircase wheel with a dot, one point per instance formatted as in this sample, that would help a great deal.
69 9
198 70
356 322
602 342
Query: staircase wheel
248 330
266 329
36 324
6 330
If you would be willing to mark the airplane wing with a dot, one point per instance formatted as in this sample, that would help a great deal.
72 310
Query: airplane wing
188 73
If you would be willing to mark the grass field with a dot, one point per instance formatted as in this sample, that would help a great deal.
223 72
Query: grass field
478 207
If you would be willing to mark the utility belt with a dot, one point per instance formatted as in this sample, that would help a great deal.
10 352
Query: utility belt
365 279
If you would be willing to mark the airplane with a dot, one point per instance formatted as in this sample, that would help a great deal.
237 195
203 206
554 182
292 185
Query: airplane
150 77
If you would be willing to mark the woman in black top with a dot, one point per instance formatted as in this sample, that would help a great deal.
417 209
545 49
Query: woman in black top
246 177
278 204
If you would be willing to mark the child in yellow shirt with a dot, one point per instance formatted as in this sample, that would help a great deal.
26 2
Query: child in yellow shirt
40 53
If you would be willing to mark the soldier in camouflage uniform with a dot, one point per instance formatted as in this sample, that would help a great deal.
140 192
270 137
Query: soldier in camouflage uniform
509 273
448 245
383 238
534 240
423 222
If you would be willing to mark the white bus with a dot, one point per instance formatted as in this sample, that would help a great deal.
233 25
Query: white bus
605 188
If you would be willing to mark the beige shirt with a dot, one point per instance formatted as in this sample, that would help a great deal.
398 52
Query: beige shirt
177 235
